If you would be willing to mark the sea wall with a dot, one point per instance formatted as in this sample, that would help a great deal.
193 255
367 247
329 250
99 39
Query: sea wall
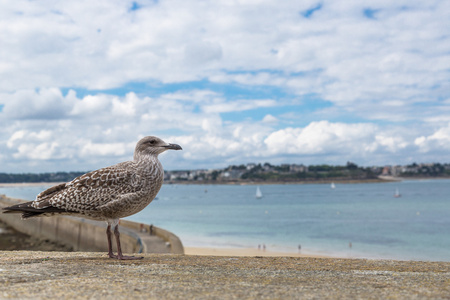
87 235
176 247
88 275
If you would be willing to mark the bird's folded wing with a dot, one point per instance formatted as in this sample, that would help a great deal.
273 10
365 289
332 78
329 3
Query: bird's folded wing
91 190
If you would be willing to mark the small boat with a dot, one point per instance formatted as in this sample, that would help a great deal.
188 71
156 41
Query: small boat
397 193
333 186
258 193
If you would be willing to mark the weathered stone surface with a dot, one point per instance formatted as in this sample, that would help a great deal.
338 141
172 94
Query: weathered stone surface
81 275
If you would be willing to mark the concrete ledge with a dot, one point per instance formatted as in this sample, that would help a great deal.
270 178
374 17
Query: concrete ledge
87 235
78 275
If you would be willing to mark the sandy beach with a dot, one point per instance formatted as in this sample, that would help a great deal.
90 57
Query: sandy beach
203 251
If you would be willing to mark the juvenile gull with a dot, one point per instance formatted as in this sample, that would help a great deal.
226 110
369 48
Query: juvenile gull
107 194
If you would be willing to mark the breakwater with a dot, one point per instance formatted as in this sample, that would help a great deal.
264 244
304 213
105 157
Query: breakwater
87 235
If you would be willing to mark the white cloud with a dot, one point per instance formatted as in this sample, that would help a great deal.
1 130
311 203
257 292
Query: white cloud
103 149
42 151
46 103
269 119
34 145
91 105
239 105
172 42
321 137
439 141
391 143
29 136
262 61
18 135
82 140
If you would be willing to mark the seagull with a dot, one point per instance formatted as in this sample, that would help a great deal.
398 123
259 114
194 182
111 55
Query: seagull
107 194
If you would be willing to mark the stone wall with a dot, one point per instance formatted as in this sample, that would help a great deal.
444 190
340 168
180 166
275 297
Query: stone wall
87 235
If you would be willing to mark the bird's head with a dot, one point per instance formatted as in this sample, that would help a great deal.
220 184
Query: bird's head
152 145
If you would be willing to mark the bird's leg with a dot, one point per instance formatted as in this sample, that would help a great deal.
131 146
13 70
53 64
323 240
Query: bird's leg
119 249
108 235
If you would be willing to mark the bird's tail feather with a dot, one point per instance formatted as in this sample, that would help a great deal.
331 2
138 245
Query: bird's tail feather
29 211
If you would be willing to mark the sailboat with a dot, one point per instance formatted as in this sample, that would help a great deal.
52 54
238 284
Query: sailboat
397 193
258 193
333 186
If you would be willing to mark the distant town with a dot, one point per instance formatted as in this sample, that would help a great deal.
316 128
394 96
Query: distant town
268 173
300 173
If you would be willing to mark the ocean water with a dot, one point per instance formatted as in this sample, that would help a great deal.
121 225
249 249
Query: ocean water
322 220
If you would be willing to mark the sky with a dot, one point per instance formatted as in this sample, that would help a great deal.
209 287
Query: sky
232 82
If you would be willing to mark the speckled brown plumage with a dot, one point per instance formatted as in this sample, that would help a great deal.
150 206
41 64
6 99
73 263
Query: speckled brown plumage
107 194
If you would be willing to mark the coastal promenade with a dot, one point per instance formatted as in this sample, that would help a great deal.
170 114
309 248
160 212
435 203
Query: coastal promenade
90 275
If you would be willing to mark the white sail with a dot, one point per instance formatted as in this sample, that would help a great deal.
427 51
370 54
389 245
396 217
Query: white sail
333 186
258 192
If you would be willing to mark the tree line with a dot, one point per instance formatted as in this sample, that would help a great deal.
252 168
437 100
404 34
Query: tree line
38 177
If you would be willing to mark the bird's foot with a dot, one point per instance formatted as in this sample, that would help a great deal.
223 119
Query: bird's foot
123 257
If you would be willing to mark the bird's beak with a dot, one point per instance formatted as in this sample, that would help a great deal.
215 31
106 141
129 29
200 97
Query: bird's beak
173 147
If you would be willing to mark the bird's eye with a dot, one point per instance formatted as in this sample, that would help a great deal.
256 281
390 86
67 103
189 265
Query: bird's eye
152 142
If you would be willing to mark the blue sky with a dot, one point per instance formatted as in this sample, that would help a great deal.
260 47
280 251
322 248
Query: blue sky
307 82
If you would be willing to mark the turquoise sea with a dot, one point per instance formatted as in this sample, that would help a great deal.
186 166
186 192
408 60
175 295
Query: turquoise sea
415 226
